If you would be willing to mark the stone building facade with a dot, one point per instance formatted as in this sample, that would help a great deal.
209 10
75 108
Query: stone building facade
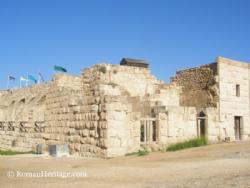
110 110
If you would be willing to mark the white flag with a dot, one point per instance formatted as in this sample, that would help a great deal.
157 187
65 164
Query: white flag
23 78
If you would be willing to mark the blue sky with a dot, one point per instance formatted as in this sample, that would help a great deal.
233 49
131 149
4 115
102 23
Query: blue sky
35 35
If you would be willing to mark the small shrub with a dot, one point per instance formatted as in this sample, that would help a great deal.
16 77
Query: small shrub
115 71
196 142
102 69
131 154
138 153
142 152
10 152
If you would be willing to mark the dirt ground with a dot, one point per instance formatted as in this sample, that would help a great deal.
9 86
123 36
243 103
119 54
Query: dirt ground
221 165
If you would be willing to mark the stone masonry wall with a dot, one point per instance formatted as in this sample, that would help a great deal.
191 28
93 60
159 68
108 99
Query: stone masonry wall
64 111
130 94
99 113
232 73
22 117
93 113
199 86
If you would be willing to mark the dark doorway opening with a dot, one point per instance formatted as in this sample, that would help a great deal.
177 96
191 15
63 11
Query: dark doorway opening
154 135
201 124
202 127
142 133
237 127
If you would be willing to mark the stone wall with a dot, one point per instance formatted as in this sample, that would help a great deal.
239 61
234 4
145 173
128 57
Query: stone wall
92 113
22 117
124 89
199 86
100 112
133 94
232 73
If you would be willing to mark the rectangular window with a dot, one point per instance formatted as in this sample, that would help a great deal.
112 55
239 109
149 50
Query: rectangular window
237 90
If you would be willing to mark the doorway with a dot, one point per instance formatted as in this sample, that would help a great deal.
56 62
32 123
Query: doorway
237 127
202 127
148 131
201 124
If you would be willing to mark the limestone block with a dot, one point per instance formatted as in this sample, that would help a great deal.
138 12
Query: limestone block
70 139
97 100
84 133
103 134
71 131
77 147
93 124
92 141
103 125
45 136
88 124
83 124
77 125
92 133
104 143
103 116
94 117
82 140
94 108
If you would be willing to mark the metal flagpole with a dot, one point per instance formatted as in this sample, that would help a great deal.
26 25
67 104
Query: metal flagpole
8 83
39 79
27 80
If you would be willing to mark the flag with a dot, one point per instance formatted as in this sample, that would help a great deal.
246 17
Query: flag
11 78
8 80
60 69
32 78
23 78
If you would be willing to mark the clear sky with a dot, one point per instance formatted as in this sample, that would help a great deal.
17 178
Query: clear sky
35 35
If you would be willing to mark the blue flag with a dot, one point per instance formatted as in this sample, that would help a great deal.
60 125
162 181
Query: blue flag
32 78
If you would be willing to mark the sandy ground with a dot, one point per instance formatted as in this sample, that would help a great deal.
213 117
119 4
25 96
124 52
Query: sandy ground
221 165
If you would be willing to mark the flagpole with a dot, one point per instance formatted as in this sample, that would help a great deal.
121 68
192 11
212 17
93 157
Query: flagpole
26 80
26 83
38 79
7 83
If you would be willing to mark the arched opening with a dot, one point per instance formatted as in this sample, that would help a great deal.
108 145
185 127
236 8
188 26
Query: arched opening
22 100
201 124
202 114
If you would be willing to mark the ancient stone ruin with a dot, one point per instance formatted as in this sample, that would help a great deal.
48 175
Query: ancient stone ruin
110 110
